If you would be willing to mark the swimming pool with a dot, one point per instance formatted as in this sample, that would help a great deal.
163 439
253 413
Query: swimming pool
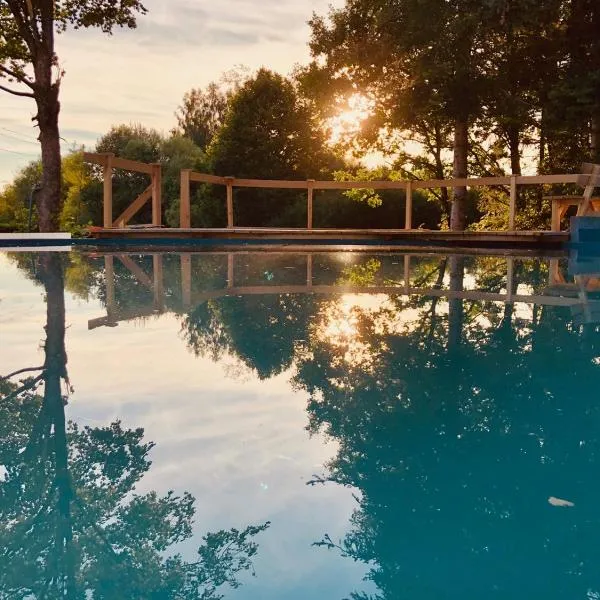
323 425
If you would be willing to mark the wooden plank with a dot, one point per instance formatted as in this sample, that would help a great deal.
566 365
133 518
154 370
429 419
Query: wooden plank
132 165
136 271
185 212
270 183
107 207
206 178
409 206
512 209
109 282
186 280
546 179
156 195
468 182
158 281
229 183
309 205
594 180
102 159
555 221
133 208
360 185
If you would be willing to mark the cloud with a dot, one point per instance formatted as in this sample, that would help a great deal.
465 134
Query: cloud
141 75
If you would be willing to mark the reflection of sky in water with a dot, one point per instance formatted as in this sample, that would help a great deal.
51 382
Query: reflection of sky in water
470 426
239 446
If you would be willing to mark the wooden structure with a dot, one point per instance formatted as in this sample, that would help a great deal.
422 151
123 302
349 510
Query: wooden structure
558 293
188 177
153 192
118 227
589 180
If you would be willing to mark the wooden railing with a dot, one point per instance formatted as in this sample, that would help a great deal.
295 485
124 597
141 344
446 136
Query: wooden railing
512 181
559 292
109 162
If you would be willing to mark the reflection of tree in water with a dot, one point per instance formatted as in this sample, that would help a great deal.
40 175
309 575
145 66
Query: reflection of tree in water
455 446
72 524
262 331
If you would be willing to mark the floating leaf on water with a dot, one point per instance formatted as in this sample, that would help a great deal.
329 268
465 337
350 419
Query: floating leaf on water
559 502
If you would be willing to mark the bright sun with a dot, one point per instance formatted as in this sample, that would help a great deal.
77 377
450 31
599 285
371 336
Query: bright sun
350 119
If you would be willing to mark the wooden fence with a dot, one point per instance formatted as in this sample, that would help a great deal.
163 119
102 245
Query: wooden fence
188 177
109 162
559 292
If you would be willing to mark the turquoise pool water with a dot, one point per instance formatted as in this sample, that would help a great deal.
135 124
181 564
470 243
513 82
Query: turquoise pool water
335 425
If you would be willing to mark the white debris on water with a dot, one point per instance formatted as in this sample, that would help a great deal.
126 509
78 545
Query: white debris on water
559 502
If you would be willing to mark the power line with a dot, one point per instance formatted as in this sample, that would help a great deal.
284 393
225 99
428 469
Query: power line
22 140
15 152
23 135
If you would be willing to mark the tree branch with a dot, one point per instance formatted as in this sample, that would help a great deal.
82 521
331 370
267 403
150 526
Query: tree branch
26 370
17 76
16 93
21 21
24 388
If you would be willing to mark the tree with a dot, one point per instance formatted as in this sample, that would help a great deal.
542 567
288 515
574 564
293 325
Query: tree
28 59
422 61
268 133
202 112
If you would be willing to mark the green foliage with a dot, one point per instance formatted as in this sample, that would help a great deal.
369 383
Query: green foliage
14 199
268 133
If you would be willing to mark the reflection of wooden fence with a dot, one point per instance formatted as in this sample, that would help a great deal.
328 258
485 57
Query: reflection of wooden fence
109 162
188 177
558 293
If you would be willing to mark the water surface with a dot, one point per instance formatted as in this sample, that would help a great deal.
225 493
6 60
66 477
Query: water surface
326 425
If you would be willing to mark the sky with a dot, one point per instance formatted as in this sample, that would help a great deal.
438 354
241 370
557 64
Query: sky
140 76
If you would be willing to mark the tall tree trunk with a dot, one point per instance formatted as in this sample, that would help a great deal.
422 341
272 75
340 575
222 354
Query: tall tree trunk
46 98
48 107
461 153
514 138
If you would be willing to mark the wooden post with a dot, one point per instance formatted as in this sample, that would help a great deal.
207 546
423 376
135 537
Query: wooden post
185 214
109 282
309 208
156 195
107 197
186 280
159 296
409 204
554 272
309 270
512 209
229 184
230 272
555 223
510 278
407 274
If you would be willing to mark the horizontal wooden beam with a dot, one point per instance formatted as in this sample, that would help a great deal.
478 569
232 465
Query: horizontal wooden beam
388 185
206 178
117 163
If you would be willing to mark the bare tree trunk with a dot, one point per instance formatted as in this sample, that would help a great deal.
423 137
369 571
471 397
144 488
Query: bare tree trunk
48 107
461 152
514 138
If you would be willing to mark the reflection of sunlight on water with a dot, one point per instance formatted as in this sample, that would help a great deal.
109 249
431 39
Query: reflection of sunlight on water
349 322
